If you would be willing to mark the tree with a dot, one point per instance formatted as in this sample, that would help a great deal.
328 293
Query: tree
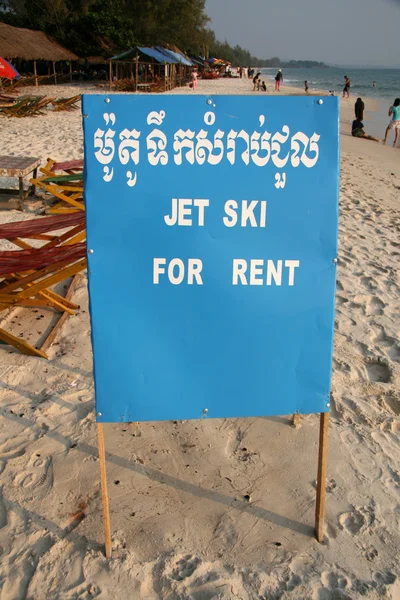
93 27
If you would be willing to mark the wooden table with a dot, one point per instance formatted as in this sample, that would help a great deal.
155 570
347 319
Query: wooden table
19 167
145 86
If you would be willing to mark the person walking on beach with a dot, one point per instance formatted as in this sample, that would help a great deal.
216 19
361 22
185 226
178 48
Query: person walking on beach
359 109
394 112
306 86
278 80
346 89
357 130
194 79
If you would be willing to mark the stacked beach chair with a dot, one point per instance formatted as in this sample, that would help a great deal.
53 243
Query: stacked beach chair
67 104
28 274
65 181
28 106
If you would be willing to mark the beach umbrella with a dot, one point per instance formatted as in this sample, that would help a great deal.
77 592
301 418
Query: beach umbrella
7 70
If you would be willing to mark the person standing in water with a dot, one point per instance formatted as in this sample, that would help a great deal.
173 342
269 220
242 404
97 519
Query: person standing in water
306 86
394 112
278 80
346 89
359 109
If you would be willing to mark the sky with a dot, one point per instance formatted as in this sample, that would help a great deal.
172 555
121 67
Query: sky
339 32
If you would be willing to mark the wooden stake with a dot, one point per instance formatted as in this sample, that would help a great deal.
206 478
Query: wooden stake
70 71
35 72
54 332
296 420
104 491
137 72
321 477
110 75
54 72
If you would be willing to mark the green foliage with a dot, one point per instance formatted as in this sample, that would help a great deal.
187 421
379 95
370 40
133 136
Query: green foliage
107 27
237 55
89 27
305 64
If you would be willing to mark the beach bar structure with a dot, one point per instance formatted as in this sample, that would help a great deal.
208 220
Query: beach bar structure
145 65
18 44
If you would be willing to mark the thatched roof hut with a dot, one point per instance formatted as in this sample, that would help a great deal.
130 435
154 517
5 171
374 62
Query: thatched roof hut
27 44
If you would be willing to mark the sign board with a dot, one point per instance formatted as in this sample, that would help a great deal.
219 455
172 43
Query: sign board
212 242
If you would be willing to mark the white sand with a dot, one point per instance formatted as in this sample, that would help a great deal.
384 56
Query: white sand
181 526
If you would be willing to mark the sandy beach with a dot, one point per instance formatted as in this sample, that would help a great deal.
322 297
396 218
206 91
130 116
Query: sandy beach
211 509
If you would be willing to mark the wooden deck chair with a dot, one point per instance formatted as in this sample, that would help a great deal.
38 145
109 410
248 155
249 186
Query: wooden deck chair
28 107
36 107
66 103
26 275
69 167
6 101
13 110
68 188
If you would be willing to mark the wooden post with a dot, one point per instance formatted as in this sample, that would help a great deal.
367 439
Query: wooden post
110 75
35 72
54 72
296 420
116 71
70 71
104 491
321 477
21 194
137 72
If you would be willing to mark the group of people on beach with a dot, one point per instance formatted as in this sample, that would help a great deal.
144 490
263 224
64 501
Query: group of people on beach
357 129
260 85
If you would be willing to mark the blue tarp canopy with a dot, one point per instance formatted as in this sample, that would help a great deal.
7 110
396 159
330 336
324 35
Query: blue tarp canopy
175 56
158 56
197 61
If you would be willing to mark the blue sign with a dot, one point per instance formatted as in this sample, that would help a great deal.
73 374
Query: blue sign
212 242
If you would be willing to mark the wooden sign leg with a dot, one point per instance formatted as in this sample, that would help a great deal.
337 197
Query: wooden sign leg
321 477
104 491
296 420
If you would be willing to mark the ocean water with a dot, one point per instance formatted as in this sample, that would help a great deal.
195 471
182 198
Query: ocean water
332 79
387 80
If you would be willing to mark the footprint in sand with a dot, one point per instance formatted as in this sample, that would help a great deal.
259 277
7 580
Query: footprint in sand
385 577
371 553
333 581
369 283
378 371
290 583
388 344
36 473
358 521
185 567
363 462
225 533
325 594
